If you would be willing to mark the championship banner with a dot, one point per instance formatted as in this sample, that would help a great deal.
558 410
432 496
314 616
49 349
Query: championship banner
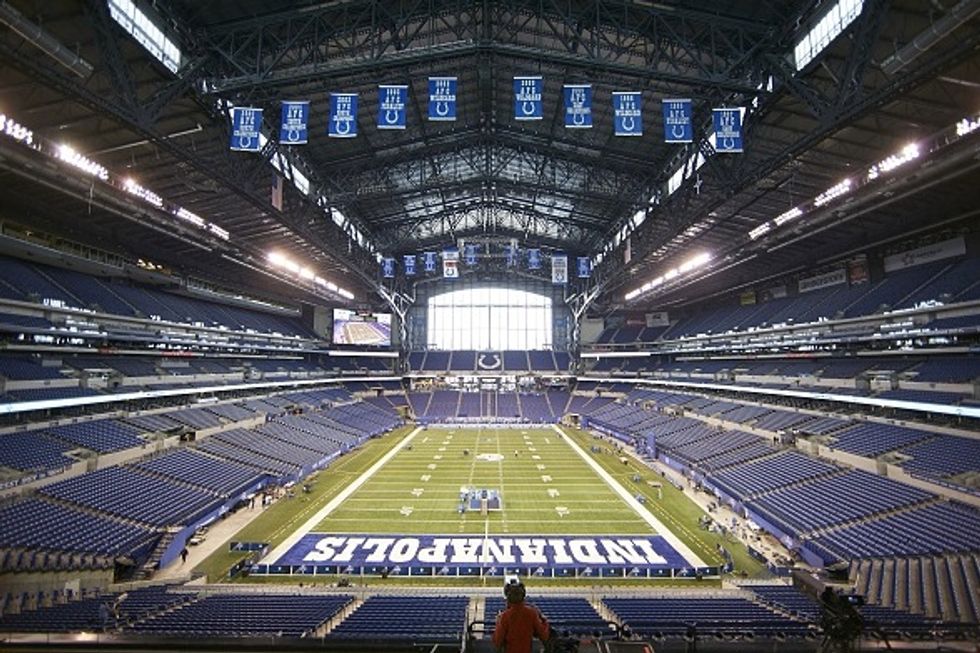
559 268
429 261
584 552
450 263
578 106
388 268
392 99
728 129
627 115
584 267
511 253
246 125
442 98
343 115
527 98
677 121
469 254
409 263
534 259
294 123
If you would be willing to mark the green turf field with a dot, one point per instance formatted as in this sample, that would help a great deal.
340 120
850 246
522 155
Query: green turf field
546 487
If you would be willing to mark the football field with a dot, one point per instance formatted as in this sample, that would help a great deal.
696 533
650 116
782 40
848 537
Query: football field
545 488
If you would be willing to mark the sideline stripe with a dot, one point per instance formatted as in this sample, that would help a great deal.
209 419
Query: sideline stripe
321 514
631 501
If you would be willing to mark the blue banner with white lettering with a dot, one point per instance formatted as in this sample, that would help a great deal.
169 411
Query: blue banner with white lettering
429 261
559 268
677 121
627 113
578 106
343 115
584 267
388 268
469 254
528 92
392 99
511 252
534 259
728 129
294 123
409 263
442 98
246 125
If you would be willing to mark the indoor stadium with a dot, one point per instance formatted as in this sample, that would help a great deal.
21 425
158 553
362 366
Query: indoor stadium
621 326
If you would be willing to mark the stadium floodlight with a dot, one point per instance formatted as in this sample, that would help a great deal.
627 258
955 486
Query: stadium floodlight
761 230
908 153
193 218
968 125
279 260
13 129
218 231
693 263
68 154
145 194
833 193
786 216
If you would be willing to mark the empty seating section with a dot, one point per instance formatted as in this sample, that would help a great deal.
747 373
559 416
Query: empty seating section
218 476
236 447
94 613
436 361
834 501
788 599
565 614
416 618
702 452
943 456
535 408
542 361
932 529
515 361
26 368
469 405
247 615
40 525
947 370
672 617
104 435
769 474
127 493
873 439
462 361
32 451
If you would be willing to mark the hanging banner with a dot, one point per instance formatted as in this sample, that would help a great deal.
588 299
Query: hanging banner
534 259
511 253
578 106
343 115
584 267
392 99
559 268
469 254
527 98
450 263
246 125
294 123
442 98
409 263
627 116
388 268
429 261
728 129
677 121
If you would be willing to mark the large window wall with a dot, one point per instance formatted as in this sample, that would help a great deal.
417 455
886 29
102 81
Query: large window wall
489 318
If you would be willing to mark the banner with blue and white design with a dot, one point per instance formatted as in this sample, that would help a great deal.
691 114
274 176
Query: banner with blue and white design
578 106
728 129
559 269
469 254
409 264
534 259
429 261
677 121
528 93
388 268
511 252
343 115
584 267
450 263
442 98
246 125
294 123
392 100
627 113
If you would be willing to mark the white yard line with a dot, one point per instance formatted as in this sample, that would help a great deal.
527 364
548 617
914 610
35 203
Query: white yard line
344 494
631 501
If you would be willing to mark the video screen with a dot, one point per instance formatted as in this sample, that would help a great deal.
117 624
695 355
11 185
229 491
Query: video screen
361 328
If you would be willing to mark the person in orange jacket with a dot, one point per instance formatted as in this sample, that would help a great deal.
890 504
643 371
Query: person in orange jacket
519 623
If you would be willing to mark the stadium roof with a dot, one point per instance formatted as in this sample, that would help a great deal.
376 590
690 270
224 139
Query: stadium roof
829 89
